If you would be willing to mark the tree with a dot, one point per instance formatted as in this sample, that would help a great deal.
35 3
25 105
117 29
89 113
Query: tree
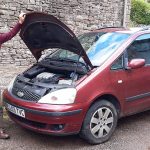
140 12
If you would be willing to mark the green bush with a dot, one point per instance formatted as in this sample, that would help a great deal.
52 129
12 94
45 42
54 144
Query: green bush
140 12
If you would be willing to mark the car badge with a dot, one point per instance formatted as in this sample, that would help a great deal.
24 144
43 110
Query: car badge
20 94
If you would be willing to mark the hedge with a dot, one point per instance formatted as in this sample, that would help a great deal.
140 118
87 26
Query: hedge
140 12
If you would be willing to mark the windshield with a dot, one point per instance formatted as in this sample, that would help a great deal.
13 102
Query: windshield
99 46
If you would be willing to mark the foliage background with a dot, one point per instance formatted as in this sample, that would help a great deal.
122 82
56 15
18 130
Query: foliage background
140 12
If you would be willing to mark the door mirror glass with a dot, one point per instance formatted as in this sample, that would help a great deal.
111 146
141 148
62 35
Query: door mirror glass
136 63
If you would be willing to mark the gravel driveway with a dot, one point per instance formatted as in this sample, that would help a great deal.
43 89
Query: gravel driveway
132 133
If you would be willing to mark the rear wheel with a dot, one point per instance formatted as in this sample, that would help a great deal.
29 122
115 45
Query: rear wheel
100 122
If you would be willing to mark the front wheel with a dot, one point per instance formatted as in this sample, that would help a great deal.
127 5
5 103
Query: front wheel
100 122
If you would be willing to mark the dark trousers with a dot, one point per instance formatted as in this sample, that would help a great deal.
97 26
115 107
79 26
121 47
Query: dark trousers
1 117
1 110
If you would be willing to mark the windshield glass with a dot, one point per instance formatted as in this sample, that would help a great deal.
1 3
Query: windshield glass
99 46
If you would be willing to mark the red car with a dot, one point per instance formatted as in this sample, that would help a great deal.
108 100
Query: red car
83 85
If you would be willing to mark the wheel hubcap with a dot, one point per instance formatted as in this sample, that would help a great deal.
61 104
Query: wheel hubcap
101 122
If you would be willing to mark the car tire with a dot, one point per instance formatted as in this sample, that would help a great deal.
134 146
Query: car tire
99 123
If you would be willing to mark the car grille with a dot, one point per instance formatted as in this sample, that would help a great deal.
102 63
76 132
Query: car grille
25 94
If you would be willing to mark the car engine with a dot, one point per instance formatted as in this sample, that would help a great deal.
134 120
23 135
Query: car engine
37 81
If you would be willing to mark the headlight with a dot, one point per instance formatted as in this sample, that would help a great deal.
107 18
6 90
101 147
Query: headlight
11 84
62 96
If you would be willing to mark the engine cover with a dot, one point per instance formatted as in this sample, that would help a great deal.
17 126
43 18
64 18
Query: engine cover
47 77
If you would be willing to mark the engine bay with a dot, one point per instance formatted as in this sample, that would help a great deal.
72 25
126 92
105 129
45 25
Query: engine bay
42 78
38 74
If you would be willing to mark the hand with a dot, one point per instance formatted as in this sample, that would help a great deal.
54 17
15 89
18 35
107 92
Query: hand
22 17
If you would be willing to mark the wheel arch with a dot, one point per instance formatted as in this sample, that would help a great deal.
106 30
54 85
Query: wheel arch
111 98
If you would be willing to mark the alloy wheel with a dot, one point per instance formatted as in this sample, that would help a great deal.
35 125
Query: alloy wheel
101 122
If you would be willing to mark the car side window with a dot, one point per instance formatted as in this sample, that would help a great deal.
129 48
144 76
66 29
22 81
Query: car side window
140 48
118 64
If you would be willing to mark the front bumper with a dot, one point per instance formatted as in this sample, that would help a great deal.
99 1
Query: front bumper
48 119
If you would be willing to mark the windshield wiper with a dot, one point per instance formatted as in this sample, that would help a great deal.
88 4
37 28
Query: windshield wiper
51 59
61 59
64 60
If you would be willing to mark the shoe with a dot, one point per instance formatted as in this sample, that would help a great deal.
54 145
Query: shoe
3 135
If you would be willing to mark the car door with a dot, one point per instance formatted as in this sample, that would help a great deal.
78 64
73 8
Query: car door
137 93
133 85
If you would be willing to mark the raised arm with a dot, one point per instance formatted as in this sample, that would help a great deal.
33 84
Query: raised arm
4 37
9 35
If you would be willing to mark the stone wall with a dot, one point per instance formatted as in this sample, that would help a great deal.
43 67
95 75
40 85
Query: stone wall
79 15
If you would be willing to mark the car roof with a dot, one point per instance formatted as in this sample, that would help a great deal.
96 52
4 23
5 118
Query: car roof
123 30
109 29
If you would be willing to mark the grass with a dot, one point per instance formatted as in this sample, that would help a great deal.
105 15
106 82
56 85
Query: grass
5 116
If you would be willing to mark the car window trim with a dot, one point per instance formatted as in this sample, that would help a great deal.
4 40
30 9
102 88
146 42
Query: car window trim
123 62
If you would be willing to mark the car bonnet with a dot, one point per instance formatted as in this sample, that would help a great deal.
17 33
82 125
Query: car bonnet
41 31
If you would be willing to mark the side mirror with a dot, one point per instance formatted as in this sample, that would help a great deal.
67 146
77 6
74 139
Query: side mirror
136 63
